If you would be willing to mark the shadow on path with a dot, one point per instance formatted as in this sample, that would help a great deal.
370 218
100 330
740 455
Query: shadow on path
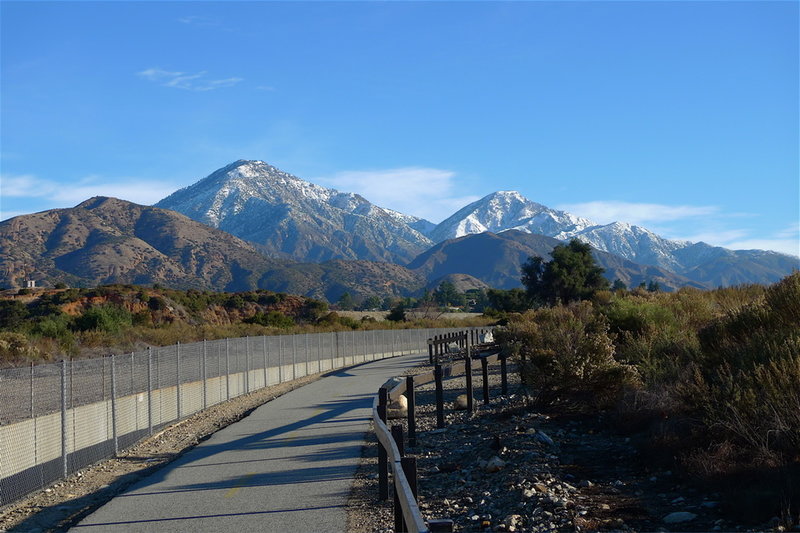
220 515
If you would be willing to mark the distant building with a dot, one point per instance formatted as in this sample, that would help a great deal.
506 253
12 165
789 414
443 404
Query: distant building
30 284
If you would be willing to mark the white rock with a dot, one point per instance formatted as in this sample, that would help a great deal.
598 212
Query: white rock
461 402
679 517
398 408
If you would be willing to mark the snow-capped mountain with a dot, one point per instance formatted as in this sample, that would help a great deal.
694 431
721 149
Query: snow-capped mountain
711 265
505 210
288 216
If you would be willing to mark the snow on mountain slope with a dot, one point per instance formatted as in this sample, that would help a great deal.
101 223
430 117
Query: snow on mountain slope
505 210
289 216
509 210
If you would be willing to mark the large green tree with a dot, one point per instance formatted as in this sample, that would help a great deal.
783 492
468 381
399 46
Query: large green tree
571 275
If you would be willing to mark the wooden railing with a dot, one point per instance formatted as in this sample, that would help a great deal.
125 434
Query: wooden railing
407 515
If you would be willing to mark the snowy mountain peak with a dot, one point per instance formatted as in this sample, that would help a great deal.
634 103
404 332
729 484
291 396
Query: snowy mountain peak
505 210
290 216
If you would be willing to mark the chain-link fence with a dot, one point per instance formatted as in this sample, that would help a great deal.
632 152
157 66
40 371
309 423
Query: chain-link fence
58 418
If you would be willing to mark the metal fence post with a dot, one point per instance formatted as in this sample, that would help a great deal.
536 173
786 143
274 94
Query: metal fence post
64 416
32 416
149 391
266 380
227 370
178 377
114 405
280 358
205 379
336 352
247 364
133 391
294 355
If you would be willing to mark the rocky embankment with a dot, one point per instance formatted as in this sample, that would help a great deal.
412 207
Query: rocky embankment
507 467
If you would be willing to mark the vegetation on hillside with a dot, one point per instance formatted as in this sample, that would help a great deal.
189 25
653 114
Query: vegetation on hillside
40 325
710 379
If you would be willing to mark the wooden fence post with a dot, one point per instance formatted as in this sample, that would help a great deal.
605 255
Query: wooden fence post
437 373
485 375
412 421
383 461
409 466
468 376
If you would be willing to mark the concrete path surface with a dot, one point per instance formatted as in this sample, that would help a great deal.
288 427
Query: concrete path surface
288 466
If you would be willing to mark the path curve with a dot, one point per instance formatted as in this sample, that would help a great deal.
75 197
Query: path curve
288 466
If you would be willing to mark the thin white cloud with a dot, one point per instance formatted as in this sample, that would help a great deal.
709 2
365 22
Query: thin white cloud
25 186
428 193
199 21
785 246
605 212
191 82
786 241
69 194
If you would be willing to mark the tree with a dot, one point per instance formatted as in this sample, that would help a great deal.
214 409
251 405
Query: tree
370 303
346 302
508 301
619 285
397 314
653 286
477 299
447 295
571 275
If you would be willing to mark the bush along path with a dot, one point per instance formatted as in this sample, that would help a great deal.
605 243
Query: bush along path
511 467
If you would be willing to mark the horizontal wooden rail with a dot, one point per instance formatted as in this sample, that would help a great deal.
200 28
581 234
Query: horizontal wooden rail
411 513
414 522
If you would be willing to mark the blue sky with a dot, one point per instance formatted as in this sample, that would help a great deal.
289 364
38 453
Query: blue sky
678 116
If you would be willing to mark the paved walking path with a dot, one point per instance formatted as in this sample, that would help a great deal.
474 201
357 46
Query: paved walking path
288 466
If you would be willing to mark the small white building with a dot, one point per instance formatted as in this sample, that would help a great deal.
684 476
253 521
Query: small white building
30 284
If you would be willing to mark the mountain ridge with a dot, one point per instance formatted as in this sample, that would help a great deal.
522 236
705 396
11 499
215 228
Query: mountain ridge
290 217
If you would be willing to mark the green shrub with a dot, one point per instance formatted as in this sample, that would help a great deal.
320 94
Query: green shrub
273 319
105 318
566 356
12 314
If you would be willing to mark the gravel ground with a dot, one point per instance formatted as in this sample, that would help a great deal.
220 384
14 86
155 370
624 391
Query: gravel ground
63 504
552 473
507 467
